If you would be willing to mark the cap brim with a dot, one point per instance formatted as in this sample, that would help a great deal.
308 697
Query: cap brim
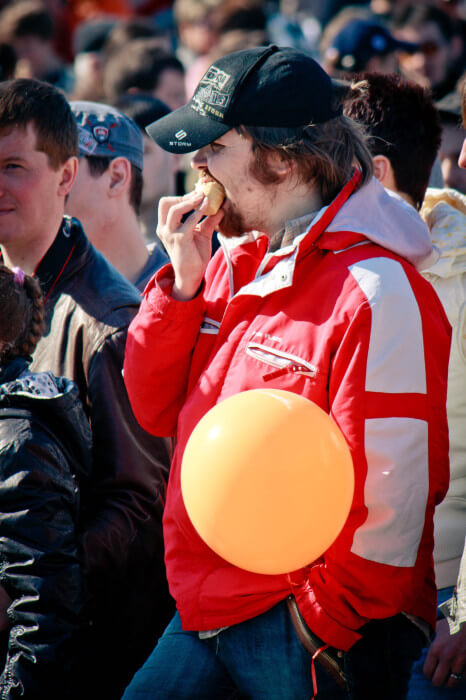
406 46
185 130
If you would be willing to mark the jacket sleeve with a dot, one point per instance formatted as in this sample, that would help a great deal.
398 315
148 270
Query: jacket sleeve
454 609
39 567
387 393
159 348
124 504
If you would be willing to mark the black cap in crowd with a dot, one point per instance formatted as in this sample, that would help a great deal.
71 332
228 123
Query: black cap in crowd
142 108
361 39
262 86
91 35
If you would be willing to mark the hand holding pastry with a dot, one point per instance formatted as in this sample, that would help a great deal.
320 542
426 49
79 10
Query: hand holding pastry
185 228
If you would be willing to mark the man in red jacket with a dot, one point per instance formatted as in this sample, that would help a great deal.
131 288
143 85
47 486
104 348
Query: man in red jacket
317 276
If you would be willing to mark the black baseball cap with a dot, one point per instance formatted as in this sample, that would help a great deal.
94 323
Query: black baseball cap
263 86
360 40
91 35
143 108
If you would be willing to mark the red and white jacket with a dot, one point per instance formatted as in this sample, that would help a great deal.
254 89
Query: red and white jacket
355 328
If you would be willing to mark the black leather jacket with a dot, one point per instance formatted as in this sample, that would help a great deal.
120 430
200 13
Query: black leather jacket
89 306
45 454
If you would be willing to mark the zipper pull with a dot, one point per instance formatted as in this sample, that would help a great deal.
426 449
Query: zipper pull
284 370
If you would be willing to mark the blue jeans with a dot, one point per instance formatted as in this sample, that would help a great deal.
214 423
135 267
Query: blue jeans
420 687
263 659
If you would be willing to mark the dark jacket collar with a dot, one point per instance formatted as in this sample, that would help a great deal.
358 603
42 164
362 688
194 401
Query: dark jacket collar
69 242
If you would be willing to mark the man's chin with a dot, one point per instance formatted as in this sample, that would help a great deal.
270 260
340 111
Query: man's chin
231 226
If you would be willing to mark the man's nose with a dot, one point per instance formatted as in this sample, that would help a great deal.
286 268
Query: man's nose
199 160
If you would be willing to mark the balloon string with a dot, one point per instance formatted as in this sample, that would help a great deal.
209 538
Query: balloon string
292 583
313 669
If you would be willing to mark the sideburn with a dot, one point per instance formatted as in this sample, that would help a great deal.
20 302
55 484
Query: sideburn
260 166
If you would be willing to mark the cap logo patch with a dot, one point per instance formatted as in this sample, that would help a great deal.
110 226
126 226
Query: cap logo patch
210 97
216 77
86 142
198 105
100 133
181 134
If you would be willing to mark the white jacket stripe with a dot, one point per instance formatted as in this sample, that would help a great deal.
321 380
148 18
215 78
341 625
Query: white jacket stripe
395 491
397 482
395 363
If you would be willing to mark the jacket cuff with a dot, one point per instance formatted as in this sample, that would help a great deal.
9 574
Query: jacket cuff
320 622
158 296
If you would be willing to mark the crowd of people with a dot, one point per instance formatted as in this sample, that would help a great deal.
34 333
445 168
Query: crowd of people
334 268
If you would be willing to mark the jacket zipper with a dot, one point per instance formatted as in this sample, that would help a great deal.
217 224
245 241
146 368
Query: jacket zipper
284 363
289 369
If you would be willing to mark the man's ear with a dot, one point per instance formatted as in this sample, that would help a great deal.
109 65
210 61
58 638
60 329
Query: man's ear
382 168
280 165
119 171
67 176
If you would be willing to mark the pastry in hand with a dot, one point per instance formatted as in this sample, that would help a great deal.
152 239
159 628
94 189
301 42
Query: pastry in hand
214 192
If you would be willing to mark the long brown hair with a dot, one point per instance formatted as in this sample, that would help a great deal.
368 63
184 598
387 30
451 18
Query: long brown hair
323 155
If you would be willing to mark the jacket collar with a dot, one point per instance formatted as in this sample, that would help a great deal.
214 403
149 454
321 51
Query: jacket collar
276 271
356 215
69 241
327 214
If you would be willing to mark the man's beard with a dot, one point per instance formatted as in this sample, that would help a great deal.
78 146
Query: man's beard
232 224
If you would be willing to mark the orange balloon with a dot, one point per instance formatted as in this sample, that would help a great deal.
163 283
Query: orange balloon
267 480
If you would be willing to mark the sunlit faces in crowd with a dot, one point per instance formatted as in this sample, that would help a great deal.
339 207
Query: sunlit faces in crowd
429 65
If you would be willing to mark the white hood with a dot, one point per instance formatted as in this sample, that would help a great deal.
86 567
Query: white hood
386 219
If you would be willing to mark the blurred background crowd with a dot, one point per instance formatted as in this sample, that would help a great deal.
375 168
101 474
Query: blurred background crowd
144 58
109 50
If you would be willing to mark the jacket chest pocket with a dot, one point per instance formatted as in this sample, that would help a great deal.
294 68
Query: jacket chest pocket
280 363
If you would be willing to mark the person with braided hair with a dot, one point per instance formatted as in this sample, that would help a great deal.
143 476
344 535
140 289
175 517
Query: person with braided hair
45 456
22 314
